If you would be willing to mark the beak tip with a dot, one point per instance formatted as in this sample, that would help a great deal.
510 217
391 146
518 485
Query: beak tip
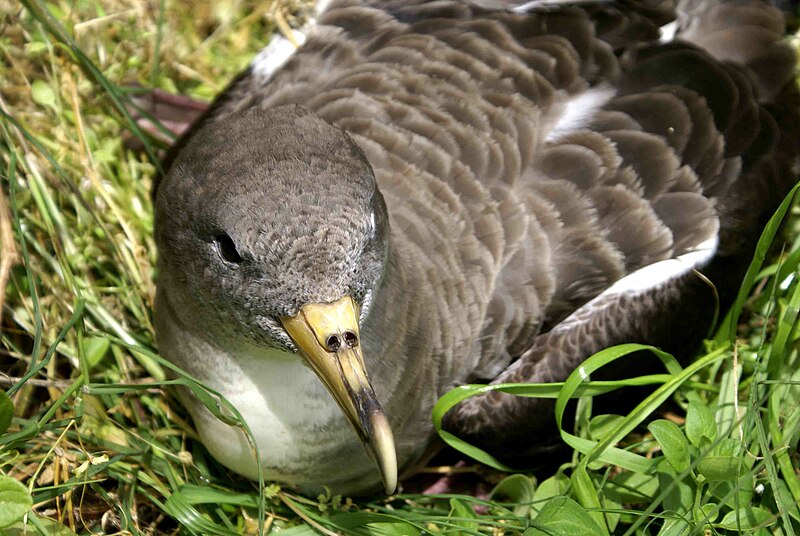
384 451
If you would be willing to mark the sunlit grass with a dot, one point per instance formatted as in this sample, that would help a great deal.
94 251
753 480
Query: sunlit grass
102 446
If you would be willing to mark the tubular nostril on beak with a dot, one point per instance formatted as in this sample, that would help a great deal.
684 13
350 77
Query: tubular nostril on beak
350 339
334 342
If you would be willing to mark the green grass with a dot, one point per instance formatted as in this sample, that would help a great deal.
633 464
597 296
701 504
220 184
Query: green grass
98 442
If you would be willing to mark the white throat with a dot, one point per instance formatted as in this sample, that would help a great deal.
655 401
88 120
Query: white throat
297 426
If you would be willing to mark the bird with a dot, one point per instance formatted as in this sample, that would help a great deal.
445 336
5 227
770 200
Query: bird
408 196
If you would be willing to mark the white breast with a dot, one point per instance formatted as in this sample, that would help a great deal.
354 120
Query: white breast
301 434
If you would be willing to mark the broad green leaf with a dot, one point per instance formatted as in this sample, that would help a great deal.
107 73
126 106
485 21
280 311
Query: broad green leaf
602 425
733 493
562 516
701 429
673 443
719 467
585 492
6 412
678 494
516 489
746 519
15 501
95 350
51 527
629 487
707 513
43 94
727 447
554 486
35 48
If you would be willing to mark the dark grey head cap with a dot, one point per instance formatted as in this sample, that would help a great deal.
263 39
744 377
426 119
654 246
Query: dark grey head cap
265 210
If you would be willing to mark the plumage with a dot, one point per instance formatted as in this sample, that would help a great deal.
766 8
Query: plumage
545 183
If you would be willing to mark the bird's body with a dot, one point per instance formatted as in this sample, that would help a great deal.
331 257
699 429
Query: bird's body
546 183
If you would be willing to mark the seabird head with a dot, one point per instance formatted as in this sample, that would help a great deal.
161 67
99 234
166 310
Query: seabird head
272 232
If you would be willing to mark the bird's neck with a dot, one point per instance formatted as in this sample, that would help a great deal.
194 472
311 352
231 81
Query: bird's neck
401 351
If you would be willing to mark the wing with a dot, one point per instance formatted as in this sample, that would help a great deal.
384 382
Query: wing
725 129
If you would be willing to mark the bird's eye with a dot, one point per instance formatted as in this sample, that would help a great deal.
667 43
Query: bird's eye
227 249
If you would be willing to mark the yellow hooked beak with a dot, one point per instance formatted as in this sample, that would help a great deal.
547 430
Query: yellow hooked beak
328 338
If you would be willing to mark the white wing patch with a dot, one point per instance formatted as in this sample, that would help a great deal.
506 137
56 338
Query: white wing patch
661 272
279 49
275 54
322 6
668 32
534 5
579 110
642 281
